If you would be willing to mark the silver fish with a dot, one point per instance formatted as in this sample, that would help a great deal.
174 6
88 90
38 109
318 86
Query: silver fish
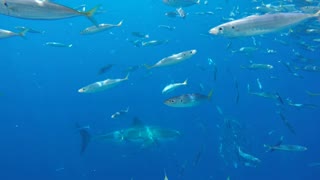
180 3
257 66
285 147
171 87
57 44
102 85
260 24
99 28
41 9
174 59
188 100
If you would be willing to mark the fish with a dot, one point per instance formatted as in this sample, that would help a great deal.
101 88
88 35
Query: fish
286 147
105 68
119 113
138 133
154 43
99 28
174 59
6 33
260 24
188 100
170 28
312 93
258 67
140 35
30 30
172 87
102 85
180 3
42 10
57 44
287 123
171 14
265 94
248 158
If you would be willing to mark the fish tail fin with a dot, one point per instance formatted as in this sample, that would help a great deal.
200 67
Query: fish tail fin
127 76
70 45
85 137
89 14
120 23
23 32
185 82
317 14
269 148
148 66
210 94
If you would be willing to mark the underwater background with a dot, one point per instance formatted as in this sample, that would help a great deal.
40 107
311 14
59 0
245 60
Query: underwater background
40 103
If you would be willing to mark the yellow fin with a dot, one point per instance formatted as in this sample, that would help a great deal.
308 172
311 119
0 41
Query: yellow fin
89 14
147 66
210 94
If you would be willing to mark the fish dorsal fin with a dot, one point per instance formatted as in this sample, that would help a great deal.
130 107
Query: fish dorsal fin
137 122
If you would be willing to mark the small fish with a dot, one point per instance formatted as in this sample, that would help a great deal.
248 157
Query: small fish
57 44
99 28
171 87
180 3
102 85
287 123
30 30
6 34
171 14
286 147
105 68
312 94
119 113
260 24
140 35
188 100
258 67
170 28
154 43
174 59
248 158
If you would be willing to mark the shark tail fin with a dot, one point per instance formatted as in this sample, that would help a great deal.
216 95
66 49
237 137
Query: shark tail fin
85 137
89 14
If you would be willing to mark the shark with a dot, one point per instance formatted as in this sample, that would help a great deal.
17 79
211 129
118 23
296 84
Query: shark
137 133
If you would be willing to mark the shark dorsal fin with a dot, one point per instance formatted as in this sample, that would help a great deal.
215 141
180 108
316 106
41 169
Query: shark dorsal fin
137 122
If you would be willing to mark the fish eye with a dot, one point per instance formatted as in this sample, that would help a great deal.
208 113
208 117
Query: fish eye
232 27
220 28
171 100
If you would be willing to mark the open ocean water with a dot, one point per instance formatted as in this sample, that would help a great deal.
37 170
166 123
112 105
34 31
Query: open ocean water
40 104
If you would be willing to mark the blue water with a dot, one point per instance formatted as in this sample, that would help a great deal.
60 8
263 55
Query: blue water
40 104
